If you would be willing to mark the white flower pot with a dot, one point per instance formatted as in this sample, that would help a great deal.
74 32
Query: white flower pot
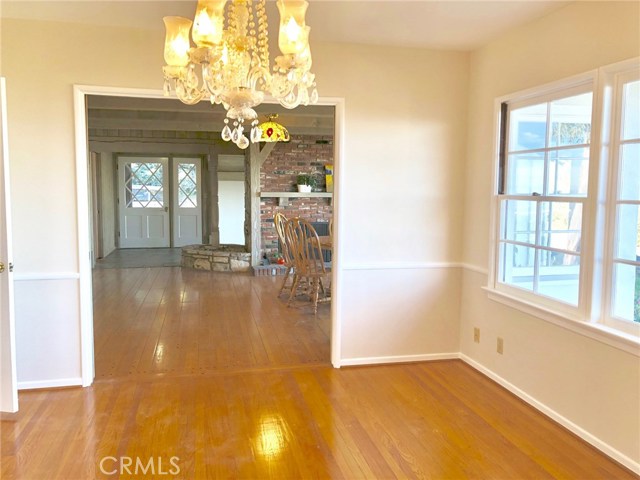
304 188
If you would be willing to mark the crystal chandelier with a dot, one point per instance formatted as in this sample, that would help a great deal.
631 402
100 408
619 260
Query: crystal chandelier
234 62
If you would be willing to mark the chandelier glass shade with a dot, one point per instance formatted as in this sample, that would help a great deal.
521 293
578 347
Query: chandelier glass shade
230 64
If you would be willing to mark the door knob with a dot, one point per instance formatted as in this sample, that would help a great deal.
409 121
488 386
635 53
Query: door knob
1 267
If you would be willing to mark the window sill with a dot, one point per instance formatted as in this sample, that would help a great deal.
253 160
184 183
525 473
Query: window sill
607 335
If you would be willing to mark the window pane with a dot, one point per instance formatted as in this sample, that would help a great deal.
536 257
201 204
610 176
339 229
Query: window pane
631 111
559 276
517 265
630 172
187 185
628 243
528 127
560 225
570 120
526 174
626 292
143 182
519 221
568 172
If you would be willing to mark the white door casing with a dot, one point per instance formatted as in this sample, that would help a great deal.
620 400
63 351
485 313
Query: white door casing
8 376
186 201
80 93
143 202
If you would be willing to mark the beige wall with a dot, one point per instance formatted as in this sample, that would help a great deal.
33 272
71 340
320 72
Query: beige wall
593 385
405 121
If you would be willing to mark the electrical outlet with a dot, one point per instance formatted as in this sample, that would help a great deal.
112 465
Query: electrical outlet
476 335
500 346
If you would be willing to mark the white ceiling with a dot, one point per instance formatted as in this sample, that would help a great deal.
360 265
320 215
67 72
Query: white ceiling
442 24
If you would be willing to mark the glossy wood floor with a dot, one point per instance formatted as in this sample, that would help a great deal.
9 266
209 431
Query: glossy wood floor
438 420
183 321
212 375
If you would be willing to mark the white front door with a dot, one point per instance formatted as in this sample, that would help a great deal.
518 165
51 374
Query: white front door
8 379
187 204
144 202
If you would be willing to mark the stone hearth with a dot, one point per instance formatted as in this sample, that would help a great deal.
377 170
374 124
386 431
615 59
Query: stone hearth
221 258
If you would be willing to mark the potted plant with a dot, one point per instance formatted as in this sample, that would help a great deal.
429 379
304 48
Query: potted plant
306 182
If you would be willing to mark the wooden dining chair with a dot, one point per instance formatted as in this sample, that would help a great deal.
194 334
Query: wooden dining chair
279 220
308 261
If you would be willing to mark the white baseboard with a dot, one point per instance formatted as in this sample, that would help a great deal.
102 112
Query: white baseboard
57 383
347 362
579 431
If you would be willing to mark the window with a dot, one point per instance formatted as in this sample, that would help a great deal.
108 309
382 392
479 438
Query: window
545 171
623 248
567 207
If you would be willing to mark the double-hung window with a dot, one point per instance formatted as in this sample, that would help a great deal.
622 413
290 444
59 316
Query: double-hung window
544 182
622 255
567 209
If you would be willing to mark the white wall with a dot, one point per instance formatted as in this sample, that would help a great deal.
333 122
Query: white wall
231 211
400 216
593 385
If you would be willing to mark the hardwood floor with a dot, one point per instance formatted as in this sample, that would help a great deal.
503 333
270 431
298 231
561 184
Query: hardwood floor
206 376
438 420
182 321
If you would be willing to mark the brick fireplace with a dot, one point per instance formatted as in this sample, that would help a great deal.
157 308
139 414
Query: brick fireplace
303 154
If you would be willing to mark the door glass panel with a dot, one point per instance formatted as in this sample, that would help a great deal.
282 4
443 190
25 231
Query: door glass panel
187 185
143 185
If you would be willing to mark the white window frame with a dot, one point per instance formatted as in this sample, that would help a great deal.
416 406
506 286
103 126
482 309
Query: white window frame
565 88
591 317
613 79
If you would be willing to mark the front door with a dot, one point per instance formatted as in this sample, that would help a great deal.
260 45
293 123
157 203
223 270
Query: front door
144 203
8 380
187 205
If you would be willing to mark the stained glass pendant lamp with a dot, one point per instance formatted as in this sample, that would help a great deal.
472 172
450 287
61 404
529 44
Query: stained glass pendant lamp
273 131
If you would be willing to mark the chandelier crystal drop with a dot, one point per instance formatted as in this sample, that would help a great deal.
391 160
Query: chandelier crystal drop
230 66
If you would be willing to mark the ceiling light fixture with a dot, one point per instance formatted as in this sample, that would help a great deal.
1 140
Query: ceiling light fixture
272 131
235 61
